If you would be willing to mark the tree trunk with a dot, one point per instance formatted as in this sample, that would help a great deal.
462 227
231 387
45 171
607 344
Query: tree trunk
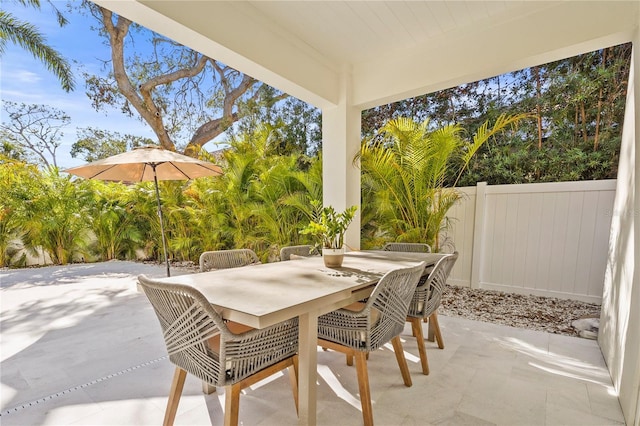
453 109
597 133
536 72
147 110
583 117
600 94
575 127
143 97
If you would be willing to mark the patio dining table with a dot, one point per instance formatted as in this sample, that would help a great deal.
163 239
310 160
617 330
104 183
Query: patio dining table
264 294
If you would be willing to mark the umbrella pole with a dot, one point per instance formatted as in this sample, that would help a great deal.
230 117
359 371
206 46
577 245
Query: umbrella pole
164 240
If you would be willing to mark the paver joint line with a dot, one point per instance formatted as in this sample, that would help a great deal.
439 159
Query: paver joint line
75 388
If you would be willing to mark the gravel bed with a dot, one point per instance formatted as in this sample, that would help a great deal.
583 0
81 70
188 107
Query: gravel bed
548 314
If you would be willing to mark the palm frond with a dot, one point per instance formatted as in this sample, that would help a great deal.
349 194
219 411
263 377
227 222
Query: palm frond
29 38
483 134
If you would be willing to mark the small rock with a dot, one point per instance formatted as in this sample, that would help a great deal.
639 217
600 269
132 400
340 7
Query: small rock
587 327
588 334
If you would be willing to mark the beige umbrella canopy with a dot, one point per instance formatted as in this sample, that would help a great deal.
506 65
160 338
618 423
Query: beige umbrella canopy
148 163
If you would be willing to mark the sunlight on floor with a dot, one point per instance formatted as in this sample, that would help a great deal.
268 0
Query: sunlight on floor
332 381
561 365
266 381
52 307
6 394
409 357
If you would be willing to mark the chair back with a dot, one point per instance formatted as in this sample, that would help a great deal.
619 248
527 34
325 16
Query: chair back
303 250
408 247
224 259
428 294
200 342
390 301
446 244
188 321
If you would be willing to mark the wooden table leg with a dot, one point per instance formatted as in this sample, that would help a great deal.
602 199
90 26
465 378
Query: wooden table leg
308 368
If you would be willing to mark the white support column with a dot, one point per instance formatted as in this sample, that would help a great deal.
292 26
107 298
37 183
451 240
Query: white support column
619 335
477 256
631 380
340 144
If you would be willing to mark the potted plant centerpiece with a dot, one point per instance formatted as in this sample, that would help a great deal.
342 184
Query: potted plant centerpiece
329 227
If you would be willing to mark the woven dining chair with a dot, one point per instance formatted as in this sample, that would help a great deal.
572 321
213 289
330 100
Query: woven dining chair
303 250
411 248
408 247
199 342
425 303
224 259
364 327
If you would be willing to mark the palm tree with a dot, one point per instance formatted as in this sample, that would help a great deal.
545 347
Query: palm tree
260 202
404 172
142 198
56 217
183 239
113 221
16 185
29 38
307 193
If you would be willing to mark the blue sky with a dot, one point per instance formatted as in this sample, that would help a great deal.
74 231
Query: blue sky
24 79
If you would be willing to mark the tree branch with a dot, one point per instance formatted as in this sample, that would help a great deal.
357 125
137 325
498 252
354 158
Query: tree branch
147 110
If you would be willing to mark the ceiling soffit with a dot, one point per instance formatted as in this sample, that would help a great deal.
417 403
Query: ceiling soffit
387 50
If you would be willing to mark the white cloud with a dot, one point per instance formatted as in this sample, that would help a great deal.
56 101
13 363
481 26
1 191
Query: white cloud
22 97
20 76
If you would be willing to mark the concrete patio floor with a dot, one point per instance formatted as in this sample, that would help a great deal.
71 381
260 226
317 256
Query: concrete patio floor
80 346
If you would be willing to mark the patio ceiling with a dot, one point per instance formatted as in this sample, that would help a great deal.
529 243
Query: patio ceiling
386 50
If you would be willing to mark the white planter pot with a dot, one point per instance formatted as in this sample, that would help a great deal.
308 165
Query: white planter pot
333 257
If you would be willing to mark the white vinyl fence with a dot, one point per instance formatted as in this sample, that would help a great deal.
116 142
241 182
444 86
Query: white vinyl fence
547 239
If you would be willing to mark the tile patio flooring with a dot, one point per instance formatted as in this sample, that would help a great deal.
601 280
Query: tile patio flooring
80 346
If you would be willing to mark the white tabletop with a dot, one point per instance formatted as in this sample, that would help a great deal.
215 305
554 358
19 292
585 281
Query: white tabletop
264 294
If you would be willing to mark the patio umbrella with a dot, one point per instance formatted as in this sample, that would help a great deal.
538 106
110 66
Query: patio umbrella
148 163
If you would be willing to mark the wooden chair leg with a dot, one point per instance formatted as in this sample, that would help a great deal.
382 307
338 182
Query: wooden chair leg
349 360
231 404
174 396
430 333
416 326
402 361
363 384
293 378
232 392
433 321
207 389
